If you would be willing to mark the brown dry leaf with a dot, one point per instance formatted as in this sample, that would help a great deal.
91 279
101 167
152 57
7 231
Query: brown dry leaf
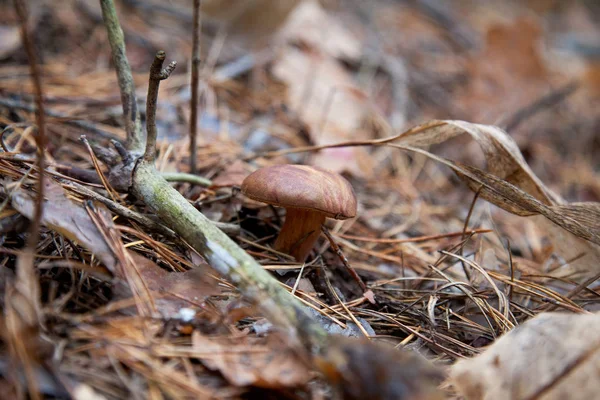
246 361
510 71
552 356
68 218
325 97
320 90
364 369
181 289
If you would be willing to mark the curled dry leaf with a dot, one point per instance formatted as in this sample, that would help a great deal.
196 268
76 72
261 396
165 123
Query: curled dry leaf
263 362
552 356
68 218
504 159
363 369
512 185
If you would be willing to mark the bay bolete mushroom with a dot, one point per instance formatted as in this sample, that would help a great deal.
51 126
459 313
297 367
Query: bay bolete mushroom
309 194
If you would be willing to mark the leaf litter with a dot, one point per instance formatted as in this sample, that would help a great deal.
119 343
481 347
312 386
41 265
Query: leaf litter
131 310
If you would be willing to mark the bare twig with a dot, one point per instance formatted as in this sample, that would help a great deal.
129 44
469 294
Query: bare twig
157 74
23 308
464 235
40 137
133 126
414 239
194 85
366 291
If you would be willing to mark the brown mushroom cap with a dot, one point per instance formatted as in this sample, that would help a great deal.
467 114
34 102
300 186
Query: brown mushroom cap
304 187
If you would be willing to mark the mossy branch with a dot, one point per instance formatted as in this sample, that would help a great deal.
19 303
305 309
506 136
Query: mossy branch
224 255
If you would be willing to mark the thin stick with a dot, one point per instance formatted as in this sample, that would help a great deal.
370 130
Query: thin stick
133 125
194 85
40 138
25 294
512 272
413 239
157 74
334 246
464 235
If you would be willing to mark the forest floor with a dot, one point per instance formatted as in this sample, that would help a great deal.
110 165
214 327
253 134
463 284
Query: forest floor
481 214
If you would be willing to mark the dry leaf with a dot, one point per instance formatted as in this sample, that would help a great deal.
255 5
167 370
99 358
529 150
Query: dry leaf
320 90
73 221
509 73
504 159
512 185
245 361
68 218
552 356
325 97
310 24
181 289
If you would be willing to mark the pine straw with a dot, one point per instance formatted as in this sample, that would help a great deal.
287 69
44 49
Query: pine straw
410 244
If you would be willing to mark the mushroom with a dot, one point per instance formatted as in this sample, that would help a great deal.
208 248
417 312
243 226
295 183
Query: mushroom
309 195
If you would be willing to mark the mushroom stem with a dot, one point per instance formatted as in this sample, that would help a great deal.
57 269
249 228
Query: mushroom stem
299 232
